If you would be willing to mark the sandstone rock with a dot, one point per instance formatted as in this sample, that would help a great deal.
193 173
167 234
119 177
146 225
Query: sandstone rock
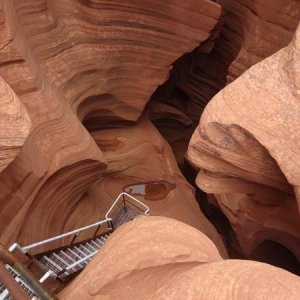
246 146
145 162
228 280
140 246
248 32
79 65
15 124
160 258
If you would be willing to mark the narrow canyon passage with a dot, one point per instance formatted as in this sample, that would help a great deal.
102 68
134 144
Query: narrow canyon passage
191 107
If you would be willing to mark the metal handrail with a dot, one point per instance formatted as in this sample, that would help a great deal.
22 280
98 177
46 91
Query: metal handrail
78 262
77 231
132 198
108 220
7 258
58 237
13 288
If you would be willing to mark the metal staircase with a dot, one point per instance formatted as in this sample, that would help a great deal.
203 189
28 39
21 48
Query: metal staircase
73 259
4 294
66 262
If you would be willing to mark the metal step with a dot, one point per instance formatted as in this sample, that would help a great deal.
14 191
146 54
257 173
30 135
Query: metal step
4 294
58 261
63 262
125 214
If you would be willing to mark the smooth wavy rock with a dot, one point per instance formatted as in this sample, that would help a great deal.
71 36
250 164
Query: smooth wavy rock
251 31
15 124
139 155
79 65
160 258
246 149
248 32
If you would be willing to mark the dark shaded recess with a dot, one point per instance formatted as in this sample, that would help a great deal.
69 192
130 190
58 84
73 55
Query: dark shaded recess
195 79
96 114
276 254
197 76
97 121
213 214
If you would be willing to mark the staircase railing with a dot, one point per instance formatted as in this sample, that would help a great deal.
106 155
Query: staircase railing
123 199
58 237
7 258
11 284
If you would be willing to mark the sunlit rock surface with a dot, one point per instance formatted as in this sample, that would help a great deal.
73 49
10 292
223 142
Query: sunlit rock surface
160 258
246 148
79 66
15 124
248 32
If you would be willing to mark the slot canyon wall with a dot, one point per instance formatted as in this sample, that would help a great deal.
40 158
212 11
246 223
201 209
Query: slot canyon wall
246 148
80 67
171 260
99 96
248 32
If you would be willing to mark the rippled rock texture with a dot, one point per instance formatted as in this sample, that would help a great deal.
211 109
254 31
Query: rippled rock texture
15 124
82 66
248 32
160 258
76 130
246 149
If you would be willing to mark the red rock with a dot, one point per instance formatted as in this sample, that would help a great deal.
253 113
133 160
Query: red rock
249 31
79 65
145 158
160 258
142 245
246 146
15 124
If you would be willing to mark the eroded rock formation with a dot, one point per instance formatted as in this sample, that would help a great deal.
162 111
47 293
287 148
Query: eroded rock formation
15 124
76 129
79 65
246 149
248 32
160 258
140 159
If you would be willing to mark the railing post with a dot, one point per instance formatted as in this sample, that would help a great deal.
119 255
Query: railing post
124 200
74 238
14 289
7 258
111 224
97 229
124 203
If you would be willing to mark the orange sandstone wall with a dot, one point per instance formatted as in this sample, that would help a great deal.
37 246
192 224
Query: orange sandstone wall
246 151
79 66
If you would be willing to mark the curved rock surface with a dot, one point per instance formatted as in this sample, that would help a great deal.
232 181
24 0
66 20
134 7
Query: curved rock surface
160 258
248 32
139 160
247 146
74 62
15 124
75 129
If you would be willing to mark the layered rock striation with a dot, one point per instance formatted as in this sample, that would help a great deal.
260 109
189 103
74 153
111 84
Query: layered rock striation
246 149
79 66
15 124
160 258
248 32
